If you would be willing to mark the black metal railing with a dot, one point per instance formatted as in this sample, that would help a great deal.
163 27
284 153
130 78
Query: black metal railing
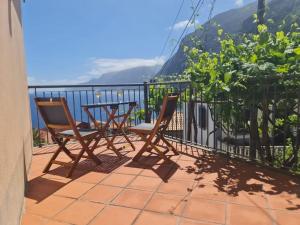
220 123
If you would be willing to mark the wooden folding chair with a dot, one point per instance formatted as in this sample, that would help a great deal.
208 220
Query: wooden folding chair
152 134
57 117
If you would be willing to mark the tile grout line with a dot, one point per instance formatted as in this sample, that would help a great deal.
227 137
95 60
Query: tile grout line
270 210
188 195
179 221
108 203
74 201
77 199
126 188
150 198
155 192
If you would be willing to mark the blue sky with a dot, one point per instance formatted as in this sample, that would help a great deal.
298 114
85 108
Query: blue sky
72 41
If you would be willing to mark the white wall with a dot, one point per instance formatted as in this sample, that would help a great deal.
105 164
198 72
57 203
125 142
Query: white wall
202 133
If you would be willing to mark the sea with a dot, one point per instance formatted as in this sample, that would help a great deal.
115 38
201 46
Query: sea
77 98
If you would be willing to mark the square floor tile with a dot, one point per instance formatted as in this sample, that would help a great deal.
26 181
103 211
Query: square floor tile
187 164
185 173
58 178
176 187
209 191
205 210
150 218
101 193
51 206
54 222
29 202
284 202
133 198
145 183
249 199
284 217
74 189
249 215
208 177
80 212
29 219
92 177
114 215
159 171
41 188
129 170
193 222
186 158
119 180
163 203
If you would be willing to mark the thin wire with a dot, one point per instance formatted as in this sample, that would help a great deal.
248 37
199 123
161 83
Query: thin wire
172 28
181 36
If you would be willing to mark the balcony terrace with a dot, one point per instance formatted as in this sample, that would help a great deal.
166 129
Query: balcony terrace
196 187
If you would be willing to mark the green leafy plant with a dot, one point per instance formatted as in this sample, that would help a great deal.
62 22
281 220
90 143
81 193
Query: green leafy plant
253 82
37 142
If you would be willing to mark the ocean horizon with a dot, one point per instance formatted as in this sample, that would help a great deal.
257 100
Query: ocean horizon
77 98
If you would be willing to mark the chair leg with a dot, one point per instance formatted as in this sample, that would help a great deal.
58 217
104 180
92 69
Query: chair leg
91 154
113 148
85 148
67 151
128 140
160 153
143 149
76 162
54 156
140 153
174 150
157 140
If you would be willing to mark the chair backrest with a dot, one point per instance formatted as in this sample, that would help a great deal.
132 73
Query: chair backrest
169 106
167 110
55 113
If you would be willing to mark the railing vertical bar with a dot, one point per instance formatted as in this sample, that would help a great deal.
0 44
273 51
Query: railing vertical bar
200 117
123 99
105 95
221 122
146 106
140 106
80 102
87 102
47 137
74 105
214 121
186 115
134 109
297 131
274 111
180 115
100 109
38 119
227 130
285 127
93 99
207 141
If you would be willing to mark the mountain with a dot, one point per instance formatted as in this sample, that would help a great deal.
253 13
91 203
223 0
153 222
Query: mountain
132 75
234 21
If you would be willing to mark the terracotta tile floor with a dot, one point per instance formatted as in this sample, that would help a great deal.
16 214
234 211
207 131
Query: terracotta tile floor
195 188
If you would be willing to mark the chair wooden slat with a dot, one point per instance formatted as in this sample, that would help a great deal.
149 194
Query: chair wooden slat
57 117
57 126
152 134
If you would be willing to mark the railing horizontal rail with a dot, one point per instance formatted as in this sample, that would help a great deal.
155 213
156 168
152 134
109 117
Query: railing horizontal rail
105 85
83 85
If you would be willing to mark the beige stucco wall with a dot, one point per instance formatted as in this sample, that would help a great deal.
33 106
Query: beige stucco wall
15 124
